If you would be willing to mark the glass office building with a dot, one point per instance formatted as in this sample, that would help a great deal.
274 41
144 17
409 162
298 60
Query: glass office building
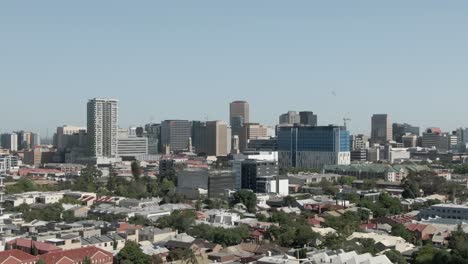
313 147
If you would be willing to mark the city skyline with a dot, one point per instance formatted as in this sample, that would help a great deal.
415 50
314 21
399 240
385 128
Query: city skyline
349 60
47 132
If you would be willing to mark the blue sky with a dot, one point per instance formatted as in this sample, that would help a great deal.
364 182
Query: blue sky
189 59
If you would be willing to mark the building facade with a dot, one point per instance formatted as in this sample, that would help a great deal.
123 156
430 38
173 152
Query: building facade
251 131
102 127
176 135
290 118
313 147
382 130
399 130
308 118
153 133
258 175
238 115
10 141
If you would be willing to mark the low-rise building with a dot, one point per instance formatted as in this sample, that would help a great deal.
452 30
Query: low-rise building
449 211
111 242
342 257
306 178
95 255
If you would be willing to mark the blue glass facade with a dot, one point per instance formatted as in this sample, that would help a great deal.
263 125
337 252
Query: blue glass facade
320 139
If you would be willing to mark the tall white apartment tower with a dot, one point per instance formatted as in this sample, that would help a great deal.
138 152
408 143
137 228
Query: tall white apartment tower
103 127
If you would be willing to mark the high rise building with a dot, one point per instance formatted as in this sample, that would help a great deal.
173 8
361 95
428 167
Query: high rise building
24 140
359 142
66 136
10 141
218 140
381 129
153 133
176 135
102 127
35 140
433 138
308 118
462 135
313 147
216 183
238 116
399 130
409 141
130 146
212 138
251 131
290 118
259 176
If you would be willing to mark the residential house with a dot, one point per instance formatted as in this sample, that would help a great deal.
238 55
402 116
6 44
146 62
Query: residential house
31 247
421 231
15 256
77 256
110 242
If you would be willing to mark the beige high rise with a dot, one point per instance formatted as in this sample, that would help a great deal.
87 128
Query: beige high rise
239 109
218 138
251 131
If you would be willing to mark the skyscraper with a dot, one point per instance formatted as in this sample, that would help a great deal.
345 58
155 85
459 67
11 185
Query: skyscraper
176 135
68 136
153 132
218 138
10 141
399 130
212 138
308 118
290 118
238 115
103 127
382 131
251 131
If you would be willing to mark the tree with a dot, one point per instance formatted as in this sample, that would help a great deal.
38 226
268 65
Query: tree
346 224
400 231
289 201
346 180
219 235
328 187
23 185
136 170
68 216
185 255
69 200
247 198
425 255
139 220
280 218
395 257
41 261
178 220
132 253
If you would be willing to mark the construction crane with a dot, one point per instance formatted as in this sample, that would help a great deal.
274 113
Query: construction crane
345 121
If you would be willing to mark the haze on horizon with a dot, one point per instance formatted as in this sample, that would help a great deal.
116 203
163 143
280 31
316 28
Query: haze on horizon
189 59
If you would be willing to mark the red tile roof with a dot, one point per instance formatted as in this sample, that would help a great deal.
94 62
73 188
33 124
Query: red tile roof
123 227
40 246
401 219
16 257
415 227
78 255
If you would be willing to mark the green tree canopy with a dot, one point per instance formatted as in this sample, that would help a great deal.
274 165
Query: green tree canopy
247 198
132 253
